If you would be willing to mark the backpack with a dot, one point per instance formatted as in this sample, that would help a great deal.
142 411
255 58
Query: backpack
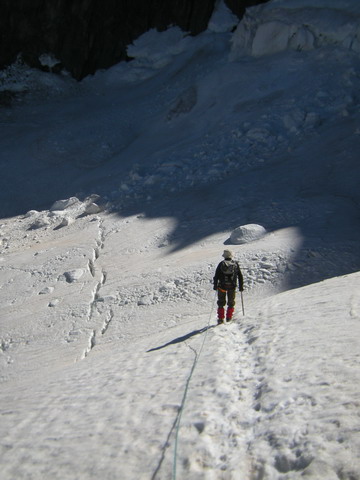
228 273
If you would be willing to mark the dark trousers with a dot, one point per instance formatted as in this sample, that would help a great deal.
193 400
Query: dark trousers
226 295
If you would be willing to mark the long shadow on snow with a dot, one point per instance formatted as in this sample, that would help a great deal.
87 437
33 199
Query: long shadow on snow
310 189
182 339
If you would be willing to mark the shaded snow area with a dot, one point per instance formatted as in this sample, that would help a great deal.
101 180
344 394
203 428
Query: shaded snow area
118 196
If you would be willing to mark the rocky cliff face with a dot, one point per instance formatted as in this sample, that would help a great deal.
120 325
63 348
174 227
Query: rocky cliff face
90 34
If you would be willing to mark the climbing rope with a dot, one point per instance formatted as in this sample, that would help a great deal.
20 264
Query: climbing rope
183 402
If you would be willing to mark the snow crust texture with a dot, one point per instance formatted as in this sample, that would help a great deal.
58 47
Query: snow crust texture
118 196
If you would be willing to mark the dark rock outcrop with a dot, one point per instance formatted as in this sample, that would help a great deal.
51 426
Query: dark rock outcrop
87 35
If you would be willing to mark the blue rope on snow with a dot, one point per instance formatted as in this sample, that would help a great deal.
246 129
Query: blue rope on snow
182 406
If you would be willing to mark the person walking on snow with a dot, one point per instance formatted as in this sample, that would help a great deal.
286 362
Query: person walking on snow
227 276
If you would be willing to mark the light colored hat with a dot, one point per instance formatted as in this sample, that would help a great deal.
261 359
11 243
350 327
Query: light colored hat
228 254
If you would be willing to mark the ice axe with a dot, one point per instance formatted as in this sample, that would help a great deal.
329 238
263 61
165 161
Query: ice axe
242 302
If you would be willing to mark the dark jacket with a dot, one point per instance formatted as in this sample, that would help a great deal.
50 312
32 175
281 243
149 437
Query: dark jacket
226 281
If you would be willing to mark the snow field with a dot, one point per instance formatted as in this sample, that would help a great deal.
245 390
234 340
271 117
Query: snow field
304 391
249 398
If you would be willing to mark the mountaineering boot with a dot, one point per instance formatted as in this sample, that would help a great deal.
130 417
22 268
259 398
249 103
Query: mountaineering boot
221 314
229 314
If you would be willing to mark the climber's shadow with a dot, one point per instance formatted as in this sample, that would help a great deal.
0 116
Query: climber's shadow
182 339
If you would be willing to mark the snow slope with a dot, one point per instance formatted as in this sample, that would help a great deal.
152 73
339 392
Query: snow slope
110 361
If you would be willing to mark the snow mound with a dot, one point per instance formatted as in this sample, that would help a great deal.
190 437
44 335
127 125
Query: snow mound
64 212
222 20
73 275
247 233
271 29
64 204
151 49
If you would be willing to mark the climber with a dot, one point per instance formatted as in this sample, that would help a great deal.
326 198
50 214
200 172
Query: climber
227 276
